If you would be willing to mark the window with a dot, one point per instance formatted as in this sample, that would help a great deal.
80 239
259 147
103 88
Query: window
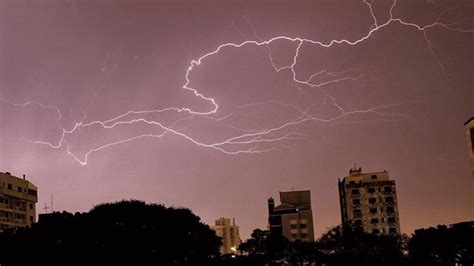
372 200
31 206
294 226
391 220
358 222
357 213
20 189
32 192
304 235
1 200
352 182
373 210
31 219
387 189
371 190
356 202
392 230
302 226
389 199
390 210
375 231
374 220
10 186
355 192
374 176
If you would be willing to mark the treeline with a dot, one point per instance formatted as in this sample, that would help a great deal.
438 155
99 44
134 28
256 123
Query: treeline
443 246
135 233
122 233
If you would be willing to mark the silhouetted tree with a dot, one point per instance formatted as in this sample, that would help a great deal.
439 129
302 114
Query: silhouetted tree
262 247
443 245
301 252
355 247
126 232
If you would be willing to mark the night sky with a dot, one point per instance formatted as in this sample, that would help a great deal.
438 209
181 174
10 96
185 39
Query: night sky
219 105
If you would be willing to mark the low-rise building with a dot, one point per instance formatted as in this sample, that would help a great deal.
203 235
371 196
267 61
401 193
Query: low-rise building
293 218
18 198
229 232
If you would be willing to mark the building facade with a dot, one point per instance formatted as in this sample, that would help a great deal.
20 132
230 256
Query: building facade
18 198
293 218
469 128
369 202
229 232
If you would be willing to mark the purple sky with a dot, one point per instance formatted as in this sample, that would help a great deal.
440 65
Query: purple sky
289 109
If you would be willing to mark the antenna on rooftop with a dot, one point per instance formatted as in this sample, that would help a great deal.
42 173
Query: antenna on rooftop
46 208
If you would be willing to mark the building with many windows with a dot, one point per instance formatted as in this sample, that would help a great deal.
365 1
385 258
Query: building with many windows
18 198
293 218
369 201
229 232
469 128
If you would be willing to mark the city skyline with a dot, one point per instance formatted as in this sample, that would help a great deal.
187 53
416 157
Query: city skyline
218 111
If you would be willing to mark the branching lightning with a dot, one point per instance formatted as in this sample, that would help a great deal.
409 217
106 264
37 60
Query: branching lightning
249 141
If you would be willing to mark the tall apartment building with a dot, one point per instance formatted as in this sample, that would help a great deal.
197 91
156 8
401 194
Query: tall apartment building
369 201
229 234
469 128
293 218
18 198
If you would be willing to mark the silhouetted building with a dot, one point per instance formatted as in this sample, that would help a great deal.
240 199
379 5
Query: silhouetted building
369 201
18 198
229 234
469 127
293 218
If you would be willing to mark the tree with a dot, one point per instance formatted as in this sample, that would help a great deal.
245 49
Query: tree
443 245
355 247
126 232
263 247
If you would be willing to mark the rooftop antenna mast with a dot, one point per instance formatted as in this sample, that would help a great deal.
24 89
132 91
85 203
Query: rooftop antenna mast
52 202
46 208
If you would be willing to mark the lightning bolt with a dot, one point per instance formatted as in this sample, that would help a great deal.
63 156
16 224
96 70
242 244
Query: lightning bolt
250 141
